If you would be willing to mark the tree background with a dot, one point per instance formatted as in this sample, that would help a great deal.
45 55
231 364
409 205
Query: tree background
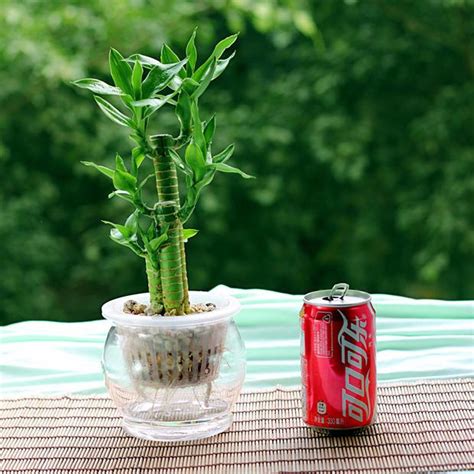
357 117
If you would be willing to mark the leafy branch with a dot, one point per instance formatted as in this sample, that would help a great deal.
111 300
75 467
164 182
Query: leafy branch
143 85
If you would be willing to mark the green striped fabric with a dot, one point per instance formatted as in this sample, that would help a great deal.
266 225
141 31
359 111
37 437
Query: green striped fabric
415 339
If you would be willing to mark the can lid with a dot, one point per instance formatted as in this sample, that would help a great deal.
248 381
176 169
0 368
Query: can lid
338 297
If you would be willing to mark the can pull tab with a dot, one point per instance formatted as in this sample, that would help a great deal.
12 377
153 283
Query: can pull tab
339 290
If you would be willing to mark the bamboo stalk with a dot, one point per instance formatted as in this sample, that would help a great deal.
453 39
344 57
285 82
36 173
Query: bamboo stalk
154 286
171 256
187 306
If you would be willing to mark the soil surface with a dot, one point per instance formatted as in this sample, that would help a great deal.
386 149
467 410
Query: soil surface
134 307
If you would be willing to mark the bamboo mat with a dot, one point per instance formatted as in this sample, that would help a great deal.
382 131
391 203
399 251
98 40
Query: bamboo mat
422 427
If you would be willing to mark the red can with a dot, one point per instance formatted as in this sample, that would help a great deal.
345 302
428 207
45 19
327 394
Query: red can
338 359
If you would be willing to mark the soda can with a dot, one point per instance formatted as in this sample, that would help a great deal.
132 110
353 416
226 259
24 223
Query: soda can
339 386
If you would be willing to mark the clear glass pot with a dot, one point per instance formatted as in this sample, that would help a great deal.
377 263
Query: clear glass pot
174 378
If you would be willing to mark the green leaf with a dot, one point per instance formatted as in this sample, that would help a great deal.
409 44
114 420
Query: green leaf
168 56
225 168
98 87
191 53
157 242
132 244
217 53
209 130
183 111
125 181
112 113
195 159
178 161
175 83
225 154
206 180
224 44
150 111
190 201
121 71
150 232
132 222
149 103
146 61
159 77
120 164
155 103
198 133
221 66
189 85
138 155
103 169
189 233
150 63
125 195
137 79
205 81
126 233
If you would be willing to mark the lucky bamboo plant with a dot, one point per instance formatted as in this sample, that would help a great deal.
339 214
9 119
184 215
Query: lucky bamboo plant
155 231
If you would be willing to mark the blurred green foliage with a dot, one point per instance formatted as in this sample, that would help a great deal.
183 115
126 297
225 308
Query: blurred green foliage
362 144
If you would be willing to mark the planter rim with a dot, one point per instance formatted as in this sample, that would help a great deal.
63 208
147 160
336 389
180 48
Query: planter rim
227 306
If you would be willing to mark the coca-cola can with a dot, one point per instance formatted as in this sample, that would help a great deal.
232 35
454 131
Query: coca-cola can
339 384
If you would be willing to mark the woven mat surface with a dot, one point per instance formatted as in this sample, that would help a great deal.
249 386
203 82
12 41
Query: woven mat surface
421 427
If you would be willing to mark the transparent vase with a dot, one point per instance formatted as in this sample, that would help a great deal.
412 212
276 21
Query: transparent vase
174 378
